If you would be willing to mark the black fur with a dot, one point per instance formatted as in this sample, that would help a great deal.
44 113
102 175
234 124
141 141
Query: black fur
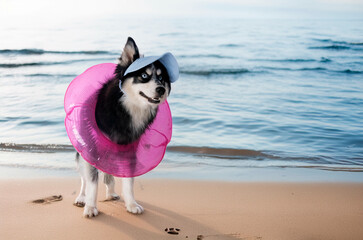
77 157
123 65
93 173
107 179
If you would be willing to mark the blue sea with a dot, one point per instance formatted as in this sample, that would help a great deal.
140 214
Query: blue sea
265 94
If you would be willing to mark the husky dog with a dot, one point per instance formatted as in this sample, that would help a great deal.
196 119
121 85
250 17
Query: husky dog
123 115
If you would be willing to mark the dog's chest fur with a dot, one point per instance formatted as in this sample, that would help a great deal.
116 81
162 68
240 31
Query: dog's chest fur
121 119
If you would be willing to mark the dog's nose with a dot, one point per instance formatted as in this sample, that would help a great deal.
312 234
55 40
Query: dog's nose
160 91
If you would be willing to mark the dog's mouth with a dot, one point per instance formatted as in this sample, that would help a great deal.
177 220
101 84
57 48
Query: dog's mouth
151 100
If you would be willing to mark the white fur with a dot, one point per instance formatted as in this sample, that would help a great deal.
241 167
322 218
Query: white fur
110 191
88 192
137 105
81 199
128 194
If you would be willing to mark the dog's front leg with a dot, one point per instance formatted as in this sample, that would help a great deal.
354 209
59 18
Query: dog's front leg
109 180
90 209
128 194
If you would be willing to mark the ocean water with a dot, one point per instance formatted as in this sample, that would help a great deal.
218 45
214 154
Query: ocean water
252 93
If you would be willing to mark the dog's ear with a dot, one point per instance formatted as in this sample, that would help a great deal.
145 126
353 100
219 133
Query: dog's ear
129 54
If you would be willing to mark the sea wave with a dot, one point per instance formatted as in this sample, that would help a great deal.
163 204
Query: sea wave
219 152
349 71
332 47
35 148
228 153
264 69
34 51
219 56
291 60
231 45
338 45
47 75
209 72
46 148
318 69
214 157
39 123
7 119
293 69
337 42
47 63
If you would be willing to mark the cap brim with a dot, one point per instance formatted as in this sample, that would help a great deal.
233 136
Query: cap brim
167 59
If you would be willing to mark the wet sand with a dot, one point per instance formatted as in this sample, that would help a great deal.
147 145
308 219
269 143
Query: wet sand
176 209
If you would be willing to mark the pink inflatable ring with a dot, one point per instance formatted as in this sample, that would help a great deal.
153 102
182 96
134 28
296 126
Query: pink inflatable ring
129 160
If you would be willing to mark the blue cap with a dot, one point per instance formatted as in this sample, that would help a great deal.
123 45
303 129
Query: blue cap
167 59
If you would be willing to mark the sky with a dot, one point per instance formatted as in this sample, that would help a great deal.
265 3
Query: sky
27 10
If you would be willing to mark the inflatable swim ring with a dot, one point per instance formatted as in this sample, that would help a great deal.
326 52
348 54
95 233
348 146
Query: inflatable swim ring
129 160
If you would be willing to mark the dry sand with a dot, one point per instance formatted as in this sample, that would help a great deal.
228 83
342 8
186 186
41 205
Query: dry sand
201 210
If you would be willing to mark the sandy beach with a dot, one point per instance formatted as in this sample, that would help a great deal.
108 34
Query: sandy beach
192 209
267 131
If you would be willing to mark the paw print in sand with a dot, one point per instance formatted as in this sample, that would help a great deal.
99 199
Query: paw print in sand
47 200
173 231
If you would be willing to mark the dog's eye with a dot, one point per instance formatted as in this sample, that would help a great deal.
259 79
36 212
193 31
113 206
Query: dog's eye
160 78
144 76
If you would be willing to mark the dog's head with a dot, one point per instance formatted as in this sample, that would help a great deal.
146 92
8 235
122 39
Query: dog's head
148 86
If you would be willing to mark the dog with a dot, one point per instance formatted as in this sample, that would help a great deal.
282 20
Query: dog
123 115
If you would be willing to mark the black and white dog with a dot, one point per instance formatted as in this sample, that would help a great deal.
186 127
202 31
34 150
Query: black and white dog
123 116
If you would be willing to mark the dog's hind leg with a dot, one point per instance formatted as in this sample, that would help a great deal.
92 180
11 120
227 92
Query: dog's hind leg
91 180
128 194
109 180
80 200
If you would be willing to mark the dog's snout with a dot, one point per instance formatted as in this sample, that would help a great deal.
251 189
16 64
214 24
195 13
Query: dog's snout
160 91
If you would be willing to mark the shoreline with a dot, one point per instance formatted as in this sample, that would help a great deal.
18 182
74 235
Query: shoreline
203 173
60 156
211 209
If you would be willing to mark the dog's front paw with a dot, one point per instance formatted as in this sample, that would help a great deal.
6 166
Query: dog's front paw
90 212
112 196
134 208
80 201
